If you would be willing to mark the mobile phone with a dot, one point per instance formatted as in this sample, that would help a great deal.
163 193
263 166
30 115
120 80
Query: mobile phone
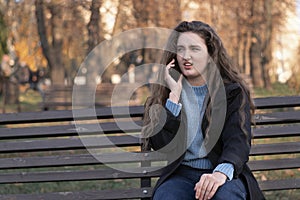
175 71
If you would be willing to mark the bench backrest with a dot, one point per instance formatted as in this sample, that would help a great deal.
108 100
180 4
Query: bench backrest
61 158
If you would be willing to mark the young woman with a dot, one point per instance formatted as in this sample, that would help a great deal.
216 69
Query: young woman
201 118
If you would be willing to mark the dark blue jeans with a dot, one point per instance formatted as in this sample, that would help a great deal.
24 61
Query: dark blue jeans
180 186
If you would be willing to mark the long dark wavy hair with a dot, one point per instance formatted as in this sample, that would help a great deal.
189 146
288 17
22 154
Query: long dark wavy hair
218 54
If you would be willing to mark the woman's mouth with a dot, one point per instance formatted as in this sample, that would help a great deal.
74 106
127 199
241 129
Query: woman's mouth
187 65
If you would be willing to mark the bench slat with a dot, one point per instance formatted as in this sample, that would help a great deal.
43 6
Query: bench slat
277 118
276 131
274 164
135 111
275 148
255 165
124 140
67 115
72 160
66 144
276 102
133 193
76 160
112 127
78 175
69 130
280 184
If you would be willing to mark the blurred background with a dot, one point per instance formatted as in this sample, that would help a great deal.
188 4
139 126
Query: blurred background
44 42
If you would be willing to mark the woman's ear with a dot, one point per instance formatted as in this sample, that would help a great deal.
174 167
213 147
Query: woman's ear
210 60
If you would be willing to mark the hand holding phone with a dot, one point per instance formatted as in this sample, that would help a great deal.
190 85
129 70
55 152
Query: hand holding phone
174 81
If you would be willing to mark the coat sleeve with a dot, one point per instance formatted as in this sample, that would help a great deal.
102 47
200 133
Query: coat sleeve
167 132
235 139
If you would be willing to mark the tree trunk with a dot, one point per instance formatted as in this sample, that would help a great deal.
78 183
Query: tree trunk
267 45
255 49
53 53
246 54
93 25
58 71
255 62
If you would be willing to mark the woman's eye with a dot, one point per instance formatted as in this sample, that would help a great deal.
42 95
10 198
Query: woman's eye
196 49
179 50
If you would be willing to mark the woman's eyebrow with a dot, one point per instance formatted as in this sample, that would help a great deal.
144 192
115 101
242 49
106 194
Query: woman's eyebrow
189 46
195 46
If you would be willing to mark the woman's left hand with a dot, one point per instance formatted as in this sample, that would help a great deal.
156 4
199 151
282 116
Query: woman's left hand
208 185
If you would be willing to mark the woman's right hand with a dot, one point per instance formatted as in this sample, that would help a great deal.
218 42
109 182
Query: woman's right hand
174 86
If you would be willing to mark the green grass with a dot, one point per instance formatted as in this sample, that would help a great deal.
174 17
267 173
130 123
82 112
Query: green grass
29 101
278 89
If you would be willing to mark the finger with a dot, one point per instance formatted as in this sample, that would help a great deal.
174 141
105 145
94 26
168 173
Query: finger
168 67
208 190
199 186
197 190
180 78
203 189
213 191
171 64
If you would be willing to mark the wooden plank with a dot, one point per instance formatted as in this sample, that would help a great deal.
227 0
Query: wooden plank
278 118
86 159
78 175
134 193
275 148
68 115
276 131
277 102
274 164
112 127
280 184
67 144
135 111
69 130
35 117
76 160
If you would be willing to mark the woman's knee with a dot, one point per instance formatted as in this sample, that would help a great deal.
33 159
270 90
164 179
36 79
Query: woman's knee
233 190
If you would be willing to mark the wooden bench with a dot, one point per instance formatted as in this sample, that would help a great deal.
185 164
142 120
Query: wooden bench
42 155
60 97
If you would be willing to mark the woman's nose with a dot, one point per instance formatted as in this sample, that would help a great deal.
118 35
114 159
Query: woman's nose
187 56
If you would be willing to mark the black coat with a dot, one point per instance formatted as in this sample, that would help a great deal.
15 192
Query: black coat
232 146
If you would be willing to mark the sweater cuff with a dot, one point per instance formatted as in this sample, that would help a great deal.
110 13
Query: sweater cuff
225 168
174 108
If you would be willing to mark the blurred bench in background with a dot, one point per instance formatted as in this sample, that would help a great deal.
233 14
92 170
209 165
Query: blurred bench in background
60 97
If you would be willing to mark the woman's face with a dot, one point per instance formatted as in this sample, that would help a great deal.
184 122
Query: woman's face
192 57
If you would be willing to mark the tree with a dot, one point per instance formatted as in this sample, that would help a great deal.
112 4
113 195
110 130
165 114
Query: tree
53 51
3 35
3 40
94 32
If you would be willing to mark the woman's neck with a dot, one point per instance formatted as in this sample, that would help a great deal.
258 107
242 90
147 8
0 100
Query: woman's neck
196 81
